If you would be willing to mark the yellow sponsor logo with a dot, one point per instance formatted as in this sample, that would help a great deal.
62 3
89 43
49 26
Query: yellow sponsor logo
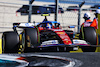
67 41
60 32
45 15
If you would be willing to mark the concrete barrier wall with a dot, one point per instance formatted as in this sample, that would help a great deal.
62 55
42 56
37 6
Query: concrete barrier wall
8 14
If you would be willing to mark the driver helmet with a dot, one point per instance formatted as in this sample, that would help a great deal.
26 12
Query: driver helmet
48 26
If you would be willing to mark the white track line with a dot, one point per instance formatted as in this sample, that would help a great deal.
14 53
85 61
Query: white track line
14 58
71 64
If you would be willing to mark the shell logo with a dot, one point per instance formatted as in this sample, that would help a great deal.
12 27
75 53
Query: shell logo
67 41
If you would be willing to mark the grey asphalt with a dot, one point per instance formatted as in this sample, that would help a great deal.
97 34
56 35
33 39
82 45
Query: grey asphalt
89 59
86 59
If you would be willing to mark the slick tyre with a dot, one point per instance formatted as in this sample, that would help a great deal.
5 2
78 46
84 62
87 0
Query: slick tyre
10 42
30 39
90 36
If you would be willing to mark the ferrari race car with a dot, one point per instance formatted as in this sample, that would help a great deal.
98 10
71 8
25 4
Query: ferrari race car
46 36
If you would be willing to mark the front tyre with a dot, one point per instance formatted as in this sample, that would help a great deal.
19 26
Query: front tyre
90 36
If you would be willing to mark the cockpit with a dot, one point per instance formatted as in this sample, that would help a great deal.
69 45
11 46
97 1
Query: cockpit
50 25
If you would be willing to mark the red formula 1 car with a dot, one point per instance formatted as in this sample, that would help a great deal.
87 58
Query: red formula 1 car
44 36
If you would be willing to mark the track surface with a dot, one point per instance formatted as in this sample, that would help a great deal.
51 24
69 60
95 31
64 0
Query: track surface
87 59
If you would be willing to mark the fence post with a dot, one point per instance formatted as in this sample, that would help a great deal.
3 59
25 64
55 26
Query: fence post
30 10
79 19
79 16
56 10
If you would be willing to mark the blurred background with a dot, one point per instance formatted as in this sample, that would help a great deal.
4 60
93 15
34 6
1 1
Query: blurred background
69 11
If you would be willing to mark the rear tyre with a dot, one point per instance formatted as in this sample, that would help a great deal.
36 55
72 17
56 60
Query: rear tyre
90 37
10 42
30 39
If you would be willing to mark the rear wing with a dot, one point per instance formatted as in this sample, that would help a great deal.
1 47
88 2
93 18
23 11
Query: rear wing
23 25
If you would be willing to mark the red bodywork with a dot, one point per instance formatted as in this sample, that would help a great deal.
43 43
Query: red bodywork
61 33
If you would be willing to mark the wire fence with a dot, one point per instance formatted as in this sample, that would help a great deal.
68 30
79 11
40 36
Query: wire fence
71 11
8 14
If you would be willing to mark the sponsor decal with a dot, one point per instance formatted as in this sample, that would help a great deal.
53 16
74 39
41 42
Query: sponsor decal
67 41
38 11
60 32
50 42
27 24
63 36
57 30
79 42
